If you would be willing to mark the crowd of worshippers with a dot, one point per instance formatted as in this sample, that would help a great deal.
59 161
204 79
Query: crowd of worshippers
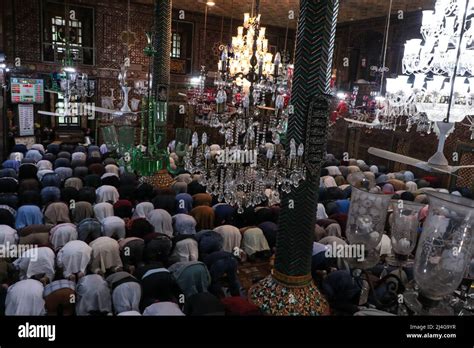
341 288
117 245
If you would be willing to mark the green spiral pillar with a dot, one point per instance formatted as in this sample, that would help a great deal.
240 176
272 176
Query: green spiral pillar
290 289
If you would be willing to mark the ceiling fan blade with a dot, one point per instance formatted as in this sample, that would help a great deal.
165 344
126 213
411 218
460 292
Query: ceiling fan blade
456 168
392 156
47 113
362 123
51 91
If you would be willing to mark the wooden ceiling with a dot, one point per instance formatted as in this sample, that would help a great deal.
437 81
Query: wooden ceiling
275 12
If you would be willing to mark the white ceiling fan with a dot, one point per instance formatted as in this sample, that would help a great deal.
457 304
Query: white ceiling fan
437 162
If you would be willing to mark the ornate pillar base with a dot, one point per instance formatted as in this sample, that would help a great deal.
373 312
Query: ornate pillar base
279 299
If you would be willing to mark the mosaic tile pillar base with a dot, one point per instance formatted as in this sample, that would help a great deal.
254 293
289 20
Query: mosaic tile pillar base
277 299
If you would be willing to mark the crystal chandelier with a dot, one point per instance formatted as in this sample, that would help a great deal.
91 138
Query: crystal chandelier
250 107
437 88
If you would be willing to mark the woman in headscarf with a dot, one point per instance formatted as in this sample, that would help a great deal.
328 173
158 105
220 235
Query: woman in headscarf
107 193
185 249
180 187
36 263
202 199
165 200
334 230
388 189
321 212
69 194
73 259
28 215
8 235
370 177
398 185
340 180
93 296
262 214
112 168
50 194
25 298
204 216
105 255
92 180
184 225
161 221
35 235
110 179
126 292
27 171
411 186
81 211
142 209
184 203
343 206
131 253
140 227
89 229
328 181
57 296
224 214
220 264
231 235
64 173
123 209
163 309
208 242
97 169
114 227
157 285
61 234
103 210
56 213
253 242
192 277
270 230
74 182
6 217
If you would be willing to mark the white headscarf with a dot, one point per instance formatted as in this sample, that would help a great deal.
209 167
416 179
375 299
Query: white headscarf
185 250
93 294
254 241
103 210
61 234
36 261
142 209
113 226
161 221
231 235
74 257
8 235
321 213
112 168
44 165
126 297
163 309
25 298
107 193
105 254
